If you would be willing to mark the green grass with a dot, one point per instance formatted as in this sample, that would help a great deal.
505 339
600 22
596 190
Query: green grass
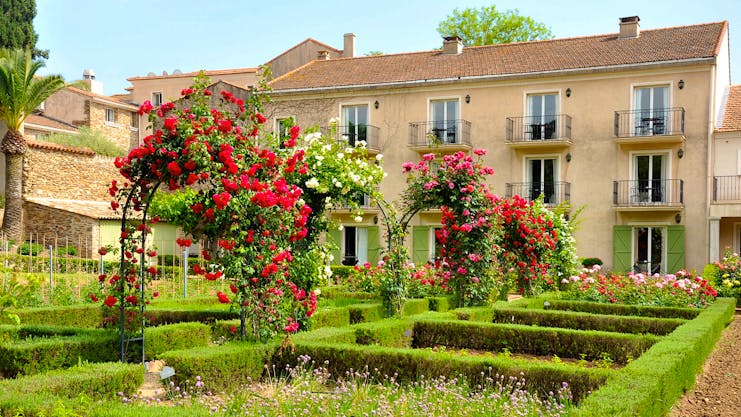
87 138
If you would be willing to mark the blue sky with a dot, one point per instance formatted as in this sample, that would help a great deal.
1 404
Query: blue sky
125 38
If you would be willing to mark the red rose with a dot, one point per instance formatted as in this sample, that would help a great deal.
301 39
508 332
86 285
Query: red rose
146 107
295 131
110 301
171 123
223 298
260 118
174 169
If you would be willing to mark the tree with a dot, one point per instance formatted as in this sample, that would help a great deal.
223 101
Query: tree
16 26
21 92
487 25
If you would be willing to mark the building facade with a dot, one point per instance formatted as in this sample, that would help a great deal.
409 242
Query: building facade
618 125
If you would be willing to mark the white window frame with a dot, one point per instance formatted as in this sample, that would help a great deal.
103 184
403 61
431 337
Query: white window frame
526 108
160 98
276 127
432 240
112 112
359 260
666 153
341 119
459 109
669 100
634 238
736 237
556 169
134 117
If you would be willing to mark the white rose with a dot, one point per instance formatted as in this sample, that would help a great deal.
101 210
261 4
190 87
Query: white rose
379 157
319 158
312 183
341 227
361 144
318 291
358 219
340 155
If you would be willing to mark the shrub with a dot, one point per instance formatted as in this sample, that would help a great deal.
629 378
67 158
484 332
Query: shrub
624 309
78 315
392 333
67 251
361 313
590 262
32 249
726 275
175 336
88 138
330 317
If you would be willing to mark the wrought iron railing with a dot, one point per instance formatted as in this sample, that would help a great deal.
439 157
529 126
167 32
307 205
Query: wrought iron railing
440 132
649 122
553 193
539 128
666 192
350 135
727 188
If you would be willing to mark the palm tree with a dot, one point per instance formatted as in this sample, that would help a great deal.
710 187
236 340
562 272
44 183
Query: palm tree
21 92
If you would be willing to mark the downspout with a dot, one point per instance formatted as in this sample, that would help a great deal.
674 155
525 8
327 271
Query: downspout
710 159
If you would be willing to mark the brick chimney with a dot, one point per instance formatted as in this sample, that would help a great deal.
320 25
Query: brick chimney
323 55
349 50
629 27
452 45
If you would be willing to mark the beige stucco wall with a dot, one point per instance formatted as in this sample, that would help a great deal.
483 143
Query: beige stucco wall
170 86
597 158
59 174
67 106
298 56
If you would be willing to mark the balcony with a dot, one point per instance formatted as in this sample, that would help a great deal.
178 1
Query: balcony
553 193
532 132
649 126
640 195
443 135
727 189
350 135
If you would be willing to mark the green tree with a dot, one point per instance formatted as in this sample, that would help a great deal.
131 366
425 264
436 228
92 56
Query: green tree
21 92
16 26
487 25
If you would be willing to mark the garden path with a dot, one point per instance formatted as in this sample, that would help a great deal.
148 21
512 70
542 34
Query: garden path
717 391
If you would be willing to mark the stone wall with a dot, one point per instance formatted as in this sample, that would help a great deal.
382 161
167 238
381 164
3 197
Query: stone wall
60 228
53 171
120 131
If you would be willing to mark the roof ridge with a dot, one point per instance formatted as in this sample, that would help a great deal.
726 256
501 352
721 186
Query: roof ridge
54 119
301 43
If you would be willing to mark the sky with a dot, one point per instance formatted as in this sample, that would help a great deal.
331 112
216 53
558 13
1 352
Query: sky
119 39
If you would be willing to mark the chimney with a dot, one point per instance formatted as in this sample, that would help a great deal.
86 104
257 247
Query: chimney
322 55
349 50
95 86
452 45
629 27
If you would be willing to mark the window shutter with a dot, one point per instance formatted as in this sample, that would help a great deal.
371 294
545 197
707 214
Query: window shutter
334 238
374 246
621 248
420 244
675 249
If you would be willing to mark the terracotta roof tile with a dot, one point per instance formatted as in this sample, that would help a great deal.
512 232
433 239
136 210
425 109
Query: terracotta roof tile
56 147
48 122
732 114
100 210
515 59
194 73
112 99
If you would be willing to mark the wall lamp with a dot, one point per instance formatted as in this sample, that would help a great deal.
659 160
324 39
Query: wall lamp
375 219
680 153
568 157
678 218
376 104
568 92
680 84
468 98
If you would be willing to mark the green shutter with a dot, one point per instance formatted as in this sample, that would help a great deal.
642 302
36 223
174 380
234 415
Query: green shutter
334 239
374 246
675 249
420 244
621 244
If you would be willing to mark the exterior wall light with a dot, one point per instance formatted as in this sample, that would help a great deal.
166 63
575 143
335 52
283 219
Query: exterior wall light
678 218
468 98
680 153
680 84
376 104
568 157
568 92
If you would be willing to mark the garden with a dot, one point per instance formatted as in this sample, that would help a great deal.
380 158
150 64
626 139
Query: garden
506 321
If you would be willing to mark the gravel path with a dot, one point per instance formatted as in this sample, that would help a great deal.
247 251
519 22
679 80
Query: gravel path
717 390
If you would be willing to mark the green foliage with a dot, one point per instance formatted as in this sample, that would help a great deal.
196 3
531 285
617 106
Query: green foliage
169 205
726 275
175 336
392 333
32 249
87 316
87 137
487 25
363 313
440 304
582 321
625 310
416 306
341 274
67 251
483 313
565 343
16 27
330 317
590 262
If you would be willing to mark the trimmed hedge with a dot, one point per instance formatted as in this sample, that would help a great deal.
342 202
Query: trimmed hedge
330 317
363 313
40 394
652 383
170 316
625 309
474 313
414 306
84 315
565 343
586 321
393 333
409 365
175 336
224 366
440 304
327 335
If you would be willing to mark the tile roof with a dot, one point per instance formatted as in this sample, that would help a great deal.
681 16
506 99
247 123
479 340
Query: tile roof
308 40
100 210
103 97
732 113
194 73
56 147
42 121
681 43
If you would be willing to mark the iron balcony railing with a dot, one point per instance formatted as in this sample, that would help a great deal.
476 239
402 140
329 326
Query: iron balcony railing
649 122
350 135
440 132
638 193
553 193
727 188
539 128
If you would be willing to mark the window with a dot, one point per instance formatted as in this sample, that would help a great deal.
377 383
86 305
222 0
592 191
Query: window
649 249
541 173
540 122
355 245
355 123
650 183
134 121
110 116
436 243
283 127
157 99
444 121
651 110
